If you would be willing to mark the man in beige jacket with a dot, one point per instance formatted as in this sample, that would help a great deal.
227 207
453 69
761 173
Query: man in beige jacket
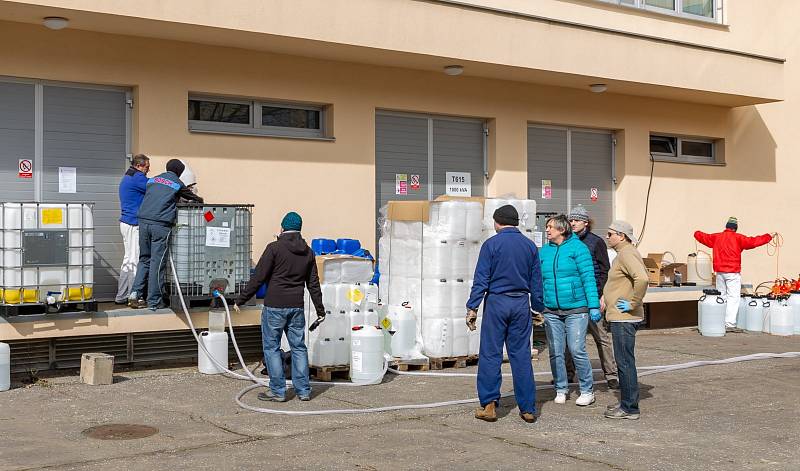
623 295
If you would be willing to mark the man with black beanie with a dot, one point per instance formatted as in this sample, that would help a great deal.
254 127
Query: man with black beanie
508 282
156 217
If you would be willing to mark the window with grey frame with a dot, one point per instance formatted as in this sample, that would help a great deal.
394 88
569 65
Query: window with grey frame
707 10
256 117
687 150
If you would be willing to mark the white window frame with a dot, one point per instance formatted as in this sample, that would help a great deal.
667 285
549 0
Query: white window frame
679 157
255 128
677 11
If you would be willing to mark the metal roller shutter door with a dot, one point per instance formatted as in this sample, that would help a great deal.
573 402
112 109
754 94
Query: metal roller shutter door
591 168
457 147
17 139
86 129
547 160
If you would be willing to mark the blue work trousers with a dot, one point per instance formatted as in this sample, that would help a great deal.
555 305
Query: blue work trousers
624 336
274 322
153 245
506 319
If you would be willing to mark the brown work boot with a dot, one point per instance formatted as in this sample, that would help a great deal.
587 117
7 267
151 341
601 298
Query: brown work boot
527 417
487 413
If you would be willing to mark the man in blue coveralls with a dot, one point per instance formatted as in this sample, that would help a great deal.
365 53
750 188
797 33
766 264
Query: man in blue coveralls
508 279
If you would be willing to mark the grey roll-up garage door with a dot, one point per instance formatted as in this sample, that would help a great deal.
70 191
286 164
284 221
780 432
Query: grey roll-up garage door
421 146
591 169
17 139
86 129
547 165
573 162
457 147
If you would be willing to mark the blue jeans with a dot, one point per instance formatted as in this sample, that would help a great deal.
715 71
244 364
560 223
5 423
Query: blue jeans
569 331
506 319
274 322
624 335
153 245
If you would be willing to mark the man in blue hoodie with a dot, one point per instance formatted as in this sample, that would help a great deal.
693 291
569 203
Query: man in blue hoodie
508 281
131 194
156 217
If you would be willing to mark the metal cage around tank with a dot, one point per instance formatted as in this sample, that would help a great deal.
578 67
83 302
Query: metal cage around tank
211 242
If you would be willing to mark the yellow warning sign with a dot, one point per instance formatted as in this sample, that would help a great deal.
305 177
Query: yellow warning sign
52 216
355 295
386 323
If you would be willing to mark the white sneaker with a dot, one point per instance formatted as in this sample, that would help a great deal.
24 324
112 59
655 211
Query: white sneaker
585 399
561 398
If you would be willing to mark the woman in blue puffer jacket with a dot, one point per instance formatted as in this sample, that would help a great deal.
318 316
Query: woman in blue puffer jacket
570 298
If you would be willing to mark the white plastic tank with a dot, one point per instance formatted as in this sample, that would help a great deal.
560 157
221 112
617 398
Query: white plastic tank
458 326
366 354
474 227
217 345
699 269
711 314
452 219
323 352
741 315
794 302
754 314
527 220
402 330
437 255
5 367
436 299
460 260
437 337
781 318
765 323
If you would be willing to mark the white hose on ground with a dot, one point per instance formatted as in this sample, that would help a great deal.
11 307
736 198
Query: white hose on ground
260 382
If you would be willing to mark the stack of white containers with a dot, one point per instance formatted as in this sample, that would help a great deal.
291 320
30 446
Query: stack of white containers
431 266
70 279
350 299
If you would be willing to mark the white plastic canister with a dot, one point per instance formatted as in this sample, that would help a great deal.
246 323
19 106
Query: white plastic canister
711 314
754 314
741 315
366 354
5 367
781 318
794 302
217 345
403 330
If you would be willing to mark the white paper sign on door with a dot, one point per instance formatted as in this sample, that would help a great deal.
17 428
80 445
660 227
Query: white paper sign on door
218 237
67 180
458 184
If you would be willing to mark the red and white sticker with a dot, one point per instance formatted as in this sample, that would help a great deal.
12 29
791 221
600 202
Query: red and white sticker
593 195
25 168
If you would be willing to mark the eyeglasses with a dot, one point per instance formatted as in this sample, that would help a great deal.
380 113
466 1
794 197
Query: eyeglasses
611 233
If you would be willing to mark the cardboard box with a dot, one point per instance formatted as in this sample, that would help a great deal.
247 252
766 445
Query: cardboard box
659 273
476 199
409 211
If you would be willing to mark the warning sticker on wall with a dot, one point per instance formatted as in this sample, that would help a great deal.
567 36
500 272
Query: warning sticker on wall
593 194
218 237
401 184
547 189
25 168
415 182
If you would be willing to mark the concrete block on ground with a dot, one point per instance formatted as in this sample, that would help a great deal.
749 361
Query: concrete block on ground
97 368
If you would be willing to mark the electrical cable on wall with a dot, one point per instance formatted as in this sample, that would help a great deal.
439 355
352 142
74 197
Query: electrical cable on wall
647 200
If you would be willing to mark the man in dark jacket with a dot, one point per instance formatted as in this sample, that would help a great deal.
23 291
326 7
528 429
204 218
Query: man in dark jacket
582 226
287 266
131 193
156 218
508 282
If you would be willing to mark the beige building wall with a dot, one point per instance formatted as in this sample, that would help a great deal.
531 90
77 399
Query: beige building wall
332 184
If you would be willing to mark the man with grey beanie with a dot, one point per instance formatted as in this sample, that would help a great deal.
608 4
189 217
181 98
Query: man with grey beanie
582 227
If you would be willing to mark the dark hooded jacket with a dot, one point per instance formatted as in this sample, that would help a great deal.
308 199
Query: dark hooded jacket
287 266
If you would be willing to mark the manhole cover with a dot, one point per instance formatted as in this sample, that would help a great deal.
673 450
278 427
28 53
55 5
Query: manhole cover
120 432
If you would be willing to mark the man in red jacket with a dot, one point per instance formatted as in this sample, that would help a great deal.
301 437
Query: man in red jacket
728 247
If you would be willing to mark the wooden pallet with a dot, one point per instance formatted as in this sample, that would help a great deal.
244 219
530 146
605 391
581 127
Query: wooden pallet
418 364
326 373
9 310
452 362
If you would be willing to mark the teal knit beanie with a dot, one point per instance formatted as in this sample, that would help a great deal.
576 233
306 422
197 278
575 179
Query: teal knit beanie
292 222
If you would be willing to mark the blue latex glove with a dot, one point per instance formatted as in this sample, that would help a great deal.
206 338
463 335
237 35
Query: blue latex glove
594 315
623 305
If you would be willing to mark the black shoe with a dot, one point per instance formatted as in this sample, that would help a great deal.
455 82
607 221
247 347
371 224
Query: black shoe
124 302
265 372
613 383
